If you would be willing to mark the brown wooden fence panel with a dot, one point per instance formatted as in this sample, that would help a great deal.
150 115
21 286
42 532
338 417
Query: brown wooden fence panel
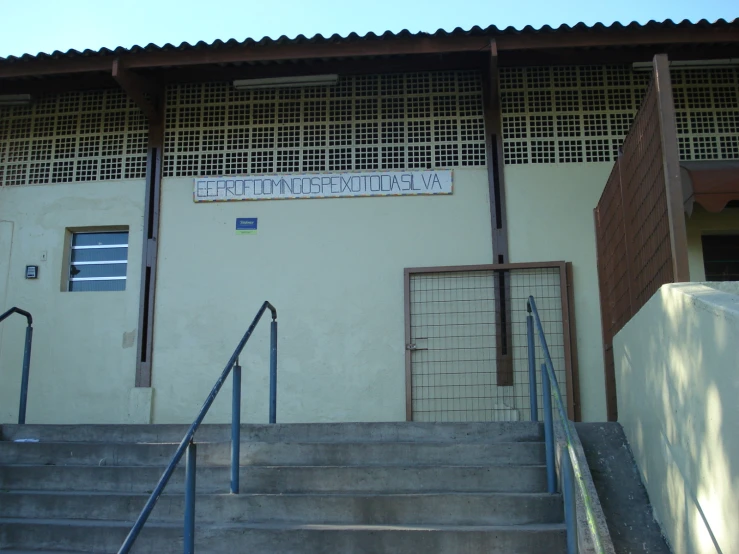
635 234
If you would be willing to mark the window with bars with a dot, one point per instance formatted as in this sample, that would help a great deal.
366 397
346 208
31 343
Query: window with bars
73 137
721 257
98 261
367 122
561 104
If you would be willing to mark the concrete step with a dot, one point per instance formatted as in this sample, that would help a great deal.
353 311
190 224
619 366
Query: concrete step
282 479
104 537
262 453
285 432
385 509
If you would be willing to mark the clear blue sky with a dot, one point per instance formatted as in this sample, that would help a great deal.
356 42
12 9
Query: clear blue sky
32 26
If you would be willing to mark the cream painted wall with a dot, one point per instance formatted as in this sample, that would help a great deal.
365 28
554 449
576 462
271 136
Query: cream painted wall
677 387
550 217
82 368
702 222
334 270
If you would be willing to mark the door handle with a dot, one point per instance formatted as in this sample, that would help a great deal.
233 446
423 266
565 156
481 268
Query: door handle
412 346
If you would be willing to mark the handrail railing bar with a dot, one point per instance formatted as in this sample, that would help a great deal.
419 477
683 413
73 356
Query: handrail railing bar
235 428
164 479
568 496
273 372
190 474
546 390
533 401
15 310
566 426
26 359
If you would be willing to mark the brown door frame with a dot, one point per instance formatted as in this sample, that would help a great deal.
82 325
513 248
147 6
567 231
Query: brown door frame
568 324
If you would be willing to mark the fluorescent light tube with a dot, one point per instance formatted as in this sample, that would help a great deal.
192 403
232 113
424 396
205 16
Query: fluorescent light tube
286 82
15 99
695 64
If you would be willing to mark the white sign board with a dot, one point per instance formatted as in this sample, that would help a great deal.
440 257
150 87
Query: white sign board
326 185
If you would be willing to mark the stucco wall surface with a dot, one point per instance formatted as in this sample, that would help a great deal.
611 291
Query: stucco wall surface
84 343
700 223
676 371
550 217
334 270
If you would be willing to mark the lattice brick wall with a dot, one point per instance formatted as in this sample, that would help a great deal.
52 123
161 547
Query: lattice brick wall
73 137
707 113
566 114
373 122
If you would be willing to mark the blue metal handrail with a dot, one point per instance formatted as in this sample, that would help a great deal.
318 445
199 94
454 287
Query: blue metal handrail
189 445
26 359
570 463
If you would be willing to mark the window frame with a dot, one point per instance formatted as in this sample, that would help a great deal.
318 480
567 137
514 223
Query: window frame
70 248
732 235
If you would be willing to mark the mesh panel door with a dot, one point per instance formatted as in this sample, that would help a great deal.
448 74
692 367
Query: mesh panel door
455 320
453 361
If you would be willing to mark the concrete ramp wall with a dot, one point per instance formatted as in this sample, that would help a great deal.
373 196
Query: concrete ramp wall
677 372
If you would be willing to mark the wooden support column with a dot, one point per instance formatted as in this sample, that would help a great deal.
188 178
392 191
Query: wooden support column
496 188
154 162
671 163
150 98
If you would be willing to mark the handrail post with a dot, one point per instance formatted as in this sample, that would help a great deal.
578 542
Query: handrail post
190 467
568 491
273 373
235 428
188 445
532 365
548 430
24 377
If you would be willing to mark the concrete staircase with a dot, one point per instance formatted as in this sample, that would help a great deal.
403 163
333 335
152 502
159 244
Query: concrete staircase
305 488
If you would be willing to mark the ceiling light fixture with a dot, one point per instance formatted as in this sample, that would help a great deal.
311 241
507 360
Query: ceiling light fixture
286 82
694 64
15 99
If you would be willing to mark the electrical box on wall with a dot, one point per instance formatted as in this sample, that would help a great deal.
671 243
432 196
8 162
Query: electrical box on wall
31 272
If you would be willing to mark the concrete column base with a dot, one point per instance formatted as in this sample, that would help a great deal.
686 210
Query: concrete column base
139 405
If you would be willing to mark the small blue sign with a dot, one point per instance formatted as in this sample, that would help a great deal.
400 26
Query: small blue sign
246 225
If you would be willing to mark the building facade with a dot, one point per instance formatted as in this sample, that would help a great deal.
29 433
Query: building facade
453 154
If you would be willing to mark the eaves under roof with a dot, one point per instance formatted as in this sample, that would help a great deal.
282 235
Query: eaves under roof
387 52
491 32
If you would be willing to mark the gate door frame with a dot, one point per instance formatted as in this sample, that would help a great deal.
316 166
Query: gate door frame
568 322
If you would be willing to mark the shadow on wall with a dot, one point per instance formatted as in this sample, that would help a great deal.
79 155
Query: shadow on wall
677 364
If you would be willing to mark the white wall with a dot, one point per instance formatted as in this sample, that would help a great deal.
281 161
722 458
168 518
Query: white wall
700 223
334 270
83 362
550 217
676 372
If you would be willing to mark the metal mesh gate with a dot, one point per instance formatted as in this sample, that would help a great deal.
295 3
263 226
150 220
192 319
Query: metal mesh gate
466 339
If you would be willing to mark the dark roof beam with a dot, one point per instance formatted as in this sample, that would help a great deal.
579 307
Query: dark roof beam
58 84
146 95
593 38
463 61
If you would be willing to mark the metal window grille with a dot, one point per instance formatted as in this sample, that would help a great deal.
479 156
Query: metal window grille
367 122
600 103
456 319
98 261
73 137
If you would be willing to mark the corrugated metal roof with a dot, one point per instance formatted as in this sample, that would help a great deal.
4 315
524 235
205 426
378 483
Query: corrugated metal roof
491 31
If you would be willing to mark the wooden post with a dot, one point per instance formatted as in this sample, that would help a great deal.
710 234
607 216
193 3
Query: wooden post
498 226
149 97
671 162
